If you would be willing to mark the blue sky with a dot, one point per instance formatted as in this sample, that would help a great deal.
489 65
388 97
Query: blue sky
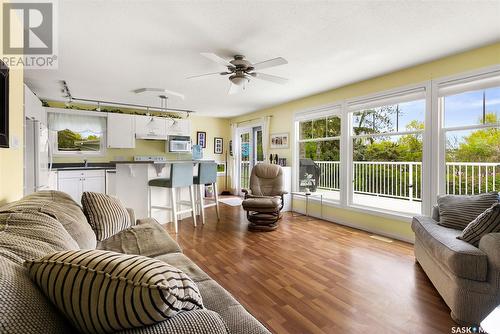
467 108
460 109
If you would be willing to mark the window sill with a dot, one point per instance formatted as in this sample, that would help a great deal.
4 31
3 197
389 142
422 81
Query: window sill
78 154
395 215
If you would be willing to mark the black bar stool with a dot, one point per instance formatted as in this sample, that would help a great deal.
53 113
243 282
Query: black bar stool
181 176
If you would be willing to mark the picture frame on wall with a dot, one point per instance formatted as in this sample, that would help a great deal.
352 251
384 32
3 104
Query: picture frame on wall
4 105
221 168
201 139
218 145
280 140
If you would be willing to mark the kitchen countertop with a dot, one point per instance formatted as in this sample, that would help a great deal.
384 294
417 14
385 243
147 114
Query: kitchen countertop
80 166
62 166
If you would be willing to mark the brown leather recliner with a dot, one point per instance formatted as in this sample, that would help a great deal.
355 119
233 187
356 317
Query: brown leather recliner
264 201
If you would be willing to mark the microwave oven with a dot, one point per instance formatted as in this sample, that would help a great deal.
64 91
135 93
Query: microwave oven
179 144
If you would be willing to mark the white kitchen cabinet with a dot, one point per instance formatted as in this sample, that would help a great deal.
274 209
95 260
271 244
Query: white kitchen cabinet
178 127
111 182
72 187
149 127
94 184
121 131
33 107
75 182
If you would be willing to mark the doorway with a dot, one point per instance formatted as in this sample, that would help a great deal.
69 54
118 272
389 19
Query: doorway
251 153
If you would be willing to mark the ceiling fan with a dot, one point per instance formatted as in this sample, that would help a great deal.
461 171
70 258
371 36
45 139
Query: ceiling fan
240 71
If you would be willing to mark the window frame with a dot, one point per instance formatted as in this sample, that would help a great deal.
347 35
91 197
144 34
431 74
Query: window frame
84 154
311 115
393 96
433 183
454 84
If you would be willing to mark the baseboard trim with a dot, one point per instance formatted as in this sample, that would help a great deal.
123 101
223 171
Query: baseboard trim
362 228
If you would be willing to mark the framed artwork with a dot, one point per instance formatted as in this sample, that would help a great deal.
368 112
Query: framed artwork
221 168
4 105
279 140
218 145
201 139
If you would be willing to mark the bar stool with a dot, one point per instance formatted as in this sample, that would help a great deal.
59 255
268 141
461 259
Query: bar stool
207 175
181 176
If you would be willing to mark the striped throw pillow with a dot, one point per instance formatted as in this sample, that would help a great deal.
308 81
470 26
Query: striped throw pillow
487 222
102 292
106 215
457 211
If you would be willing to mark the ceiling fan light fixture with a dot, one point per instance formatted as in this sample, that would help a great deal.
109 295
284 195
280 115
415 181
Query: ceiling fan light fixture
239 80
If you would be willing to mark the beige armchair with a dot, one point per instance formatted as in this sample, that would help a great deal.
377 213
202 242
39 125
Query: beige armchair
264 200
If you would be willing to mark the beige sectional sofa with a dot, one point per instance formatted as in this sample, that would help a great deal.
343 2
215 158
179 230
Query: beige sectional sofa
467 277
50 221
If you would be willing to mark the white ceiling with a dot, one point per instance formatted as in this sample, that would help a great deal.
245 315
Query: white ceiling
109 48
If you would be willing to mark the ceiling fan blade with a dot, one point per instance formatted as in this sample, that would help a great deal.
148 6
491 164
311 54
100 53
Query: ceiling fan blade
202 75
235 89
270 63
217 59
269 77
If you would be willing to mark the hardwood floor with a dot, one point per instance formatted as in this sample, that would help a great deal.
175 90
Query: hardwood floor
312 276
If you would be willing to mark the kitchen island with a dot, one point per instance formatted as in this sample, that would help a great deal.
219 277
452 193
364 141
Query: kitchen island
132 179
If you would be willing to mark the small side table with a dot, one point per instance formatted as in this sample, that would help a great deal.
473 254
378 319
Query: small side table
307 195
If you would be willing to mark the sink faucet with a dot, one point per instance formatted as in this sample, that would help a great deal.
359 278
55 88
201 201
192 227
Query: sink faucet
85 162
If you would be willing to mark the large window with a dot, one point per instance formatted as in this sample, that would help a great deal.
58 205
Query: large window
77 134
387 151
319 155
395 151
471 131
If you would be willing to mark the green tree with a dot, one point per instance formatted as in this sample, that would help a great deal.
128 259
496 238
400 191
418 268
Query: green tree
66 139
481 145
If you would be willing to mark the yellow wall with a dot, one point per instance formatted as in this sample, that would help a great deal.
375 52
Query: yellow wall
11 159
282 118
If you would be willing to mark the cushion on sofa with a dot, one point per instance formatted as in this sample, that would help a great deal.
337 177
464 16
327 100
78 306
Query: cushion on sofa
487 222
106 215
101 291
193 322
457 211
461 258
63 208
31 234
148 238
23 307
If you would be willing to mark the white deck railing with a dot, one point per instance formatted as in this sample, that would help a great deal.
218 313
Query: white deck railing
403 179
472 177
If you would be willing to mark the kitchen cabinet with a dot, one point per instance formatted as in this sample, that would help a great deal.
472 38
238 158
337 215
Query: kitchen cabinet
111 182
150 127
178 127
75 182
121 131
33 106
